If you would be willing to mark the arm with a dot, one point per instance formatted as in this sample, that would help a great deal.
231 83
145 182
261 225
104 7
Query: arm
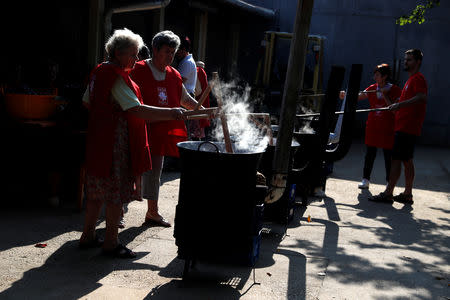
155 114
361 96
130 103
85 99
420 97
387 99
187 101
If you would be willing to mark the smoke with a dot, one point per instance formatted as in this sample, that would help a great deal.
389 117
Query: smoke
305 123
244 133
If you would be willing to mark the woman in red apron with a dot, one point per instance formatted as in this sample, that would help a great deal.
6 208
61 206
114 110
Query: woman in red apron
379 124
117 151
162 86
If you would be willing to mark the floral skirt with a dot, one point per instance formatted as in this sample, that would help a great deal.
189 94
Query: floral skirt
121 186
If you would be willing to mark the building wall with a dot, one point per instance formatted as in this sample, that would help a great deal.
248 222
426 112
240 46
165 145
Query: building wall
364 31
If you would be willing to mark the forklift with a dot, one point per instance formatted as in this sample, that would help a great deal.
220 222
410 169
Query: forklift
271 72
269 85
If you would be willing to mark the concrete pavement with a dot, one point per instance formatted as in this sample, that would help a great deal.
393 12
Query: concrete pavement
351 249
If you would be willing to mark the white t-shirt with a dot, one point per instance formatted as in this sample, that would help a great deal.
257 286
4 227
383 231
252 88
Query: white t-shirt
188 70
121 93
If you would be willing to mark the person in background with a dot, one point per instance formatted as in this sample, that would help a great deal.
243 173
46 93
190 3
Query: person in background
198 128
144 53
409 116
188 71
117 150
162 86
186 65
379 124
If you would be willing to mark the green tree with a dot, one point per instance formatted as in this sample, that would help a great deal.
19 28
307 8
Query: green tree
418 14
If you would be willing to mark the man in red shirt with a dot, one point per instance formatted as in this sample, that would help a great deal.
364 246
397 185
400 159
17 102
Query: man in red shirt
409 117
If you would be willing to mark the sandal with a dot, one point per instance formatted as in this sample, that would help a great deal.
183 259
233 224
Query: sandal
382 197
404 198
95 243
161 222
119 252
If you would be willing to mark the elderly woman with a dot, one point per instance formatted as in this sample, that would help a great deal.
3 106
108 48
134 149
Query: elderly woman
117 151
162 86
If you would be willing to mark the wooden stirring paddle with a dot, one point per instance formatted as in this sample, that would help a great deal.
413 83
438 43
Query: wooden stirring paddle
223 117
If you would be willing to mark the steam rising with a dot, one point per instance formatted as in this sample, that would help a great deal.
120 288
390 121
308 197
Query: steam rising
306 128
245 135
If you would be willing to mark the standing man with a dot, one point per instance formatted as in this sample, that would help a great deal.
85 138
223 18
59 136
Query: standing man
409 117
186 65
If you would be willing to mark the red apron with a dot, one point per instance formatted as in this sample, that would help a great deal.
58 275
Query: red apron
164 135
380 124
103 121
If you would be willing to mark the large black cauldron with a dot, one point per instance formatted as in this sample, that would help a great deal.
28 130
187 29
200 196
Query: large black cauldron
219 211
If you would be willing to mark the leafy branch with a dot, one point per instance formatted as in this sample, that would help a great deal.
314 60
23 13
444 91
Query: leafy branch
418 14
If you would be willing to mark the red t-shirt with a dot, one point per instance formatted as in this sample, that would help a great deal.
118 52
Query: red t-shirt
410 119
380 124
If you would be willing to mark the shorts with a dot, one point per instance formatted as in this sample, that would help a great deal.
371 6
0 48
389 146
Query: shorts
404 144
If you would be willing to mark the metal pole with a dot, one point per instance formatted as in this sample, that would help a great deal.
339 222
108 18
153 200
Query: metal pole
293 84
292 87
342 112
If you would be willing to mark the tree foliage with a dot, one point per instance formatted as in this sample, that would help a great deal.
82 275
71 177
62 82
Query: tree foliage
418 14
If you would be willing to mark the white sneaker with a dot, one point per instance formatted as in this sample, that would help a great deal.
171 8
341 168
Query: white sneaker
364 184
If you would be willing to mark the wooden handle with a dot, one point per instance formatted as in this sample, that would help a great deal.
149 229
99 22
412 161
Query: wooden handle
223 118
203 97
197 117
208 111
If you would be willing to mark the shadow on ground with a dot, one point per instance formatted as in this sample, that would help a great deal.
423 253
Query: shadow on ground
402 232
70 273
432 166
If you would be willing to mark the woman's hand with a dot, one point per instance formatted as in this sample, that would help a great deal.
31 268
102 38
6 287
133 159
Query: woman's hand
394 107
177 113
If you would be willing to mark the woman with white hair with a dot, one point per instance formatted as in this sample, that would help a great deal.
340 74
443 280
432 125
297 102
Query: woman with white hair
117 151
162 86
